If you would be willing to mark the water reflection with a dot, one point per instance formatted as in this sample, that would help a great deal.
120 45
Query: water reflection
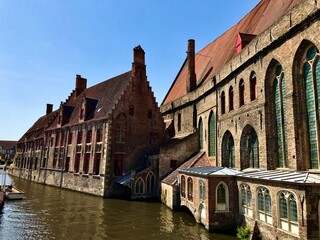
53 213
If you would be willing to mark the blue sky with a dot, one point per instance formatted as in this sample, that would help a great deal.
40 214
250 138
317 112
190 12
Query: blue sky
45 43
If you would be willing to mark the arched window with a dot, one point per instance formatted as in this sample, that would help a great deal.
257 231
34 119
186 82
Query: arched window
212 135
222 196
279 87
228 151
139 188
230 98
183 186
223 103
311 73
202 191
253 150
200 134
150 182
253 86
246 200
264 205
288 212
190 189
241 92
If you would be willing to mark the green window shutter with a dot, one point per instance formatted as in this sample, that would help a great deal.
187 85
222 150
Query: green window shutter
268 203
231 153
212 136
293 210
311 114
280 108
279 121
283 207
284 120
253 150
260 201
200 134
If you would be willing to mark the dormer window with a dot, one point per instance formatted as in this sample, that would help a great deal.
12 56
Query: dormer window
87 109
243 39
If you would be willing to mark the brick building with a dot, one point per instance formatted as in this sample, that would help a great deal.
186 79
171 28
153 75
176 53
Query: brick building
102 140
251 97
7 151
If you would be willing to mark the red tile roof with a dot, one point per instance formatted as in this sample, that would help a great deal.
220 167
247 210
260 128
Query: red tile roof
101 99
210 60
36 131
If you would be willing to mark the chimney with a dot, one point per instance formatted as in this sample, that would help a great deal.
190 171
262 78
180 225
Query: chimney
138 66
49 108
191 78
138 55
81 84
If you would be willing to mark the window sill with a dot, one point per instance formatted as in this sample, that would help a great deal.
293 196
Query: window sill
222 211
287 232
263 222
314 170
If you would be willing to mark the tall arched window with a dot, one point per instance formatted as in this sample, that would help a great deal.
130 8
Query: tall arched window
279 87
139 188
150 182
190 189
202 191
200 134
241 92
222 196
230 98
288 212
183 186
253 86
264 205
228 159
253 150
246 200
311 74
212 135
223 103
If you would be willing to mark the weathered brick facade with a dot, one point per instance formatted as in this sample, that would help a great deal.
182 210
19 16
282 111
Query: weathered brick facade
243 98
98 135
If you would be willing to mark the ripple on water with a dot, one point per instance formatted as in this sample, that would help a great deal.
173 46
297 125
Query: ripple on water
53 213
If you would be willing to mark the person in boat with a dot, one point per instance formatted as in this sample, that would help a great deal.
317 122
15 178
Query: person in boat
9 188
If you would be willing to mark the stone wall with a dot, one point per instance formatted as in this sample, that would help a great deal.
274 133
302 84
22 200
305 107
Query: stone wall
177 150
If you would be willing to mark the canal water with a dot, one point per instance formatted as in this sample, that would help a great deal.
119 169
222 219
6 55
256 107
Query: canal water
54 213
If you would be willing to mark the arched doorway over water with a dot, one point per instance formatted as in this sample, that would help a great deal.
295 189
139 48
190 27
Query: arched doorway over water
202 214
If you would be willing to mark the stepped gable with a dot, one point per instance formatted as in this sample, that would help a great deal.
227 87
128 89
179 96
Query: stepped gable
101 99
36 131
199 160
210 60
